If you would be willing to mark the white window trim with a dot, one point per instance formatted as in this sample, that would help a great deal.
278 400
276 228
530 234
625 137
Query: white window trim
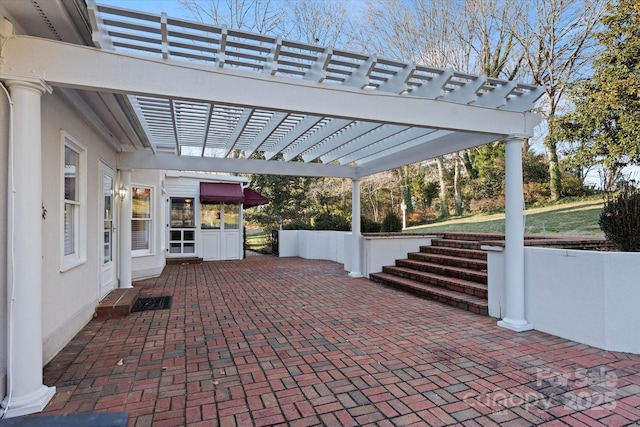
152 211
79 257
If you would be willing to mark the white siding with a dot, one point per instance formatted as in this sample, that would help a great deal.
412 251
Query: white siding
70 297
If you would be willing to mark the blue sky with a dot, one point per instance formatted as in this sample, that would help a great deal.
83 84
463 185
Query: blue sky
172 7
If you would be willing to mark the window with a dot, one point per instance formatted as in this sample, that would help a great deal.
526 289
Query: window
210 216
73 204
231 216
141 220
107 218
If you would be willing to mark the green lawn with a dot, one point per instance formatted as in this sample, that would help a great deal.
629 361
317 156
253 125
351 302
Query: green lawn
570 219
258 241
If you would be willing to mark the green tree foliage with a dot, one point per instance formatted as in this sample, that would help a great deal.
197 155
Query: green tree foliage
606 119
427 192
489 164
534 168
620 219
287 196
329 221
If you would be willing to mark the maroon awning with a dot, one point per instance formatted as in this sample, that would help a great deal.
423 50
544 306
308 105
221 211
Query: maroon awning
253 198
216 192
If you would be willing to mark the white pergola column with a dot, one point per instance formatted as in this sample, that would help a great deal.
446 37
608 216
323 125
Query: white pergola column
125 228
356 253
26 393
514 240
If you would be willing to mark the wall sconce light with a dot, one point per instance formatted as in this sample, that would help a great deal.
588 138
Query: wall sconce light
122 192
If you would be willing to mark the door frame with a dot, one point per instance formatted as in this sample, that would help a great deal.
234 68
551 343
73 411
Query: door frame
106 269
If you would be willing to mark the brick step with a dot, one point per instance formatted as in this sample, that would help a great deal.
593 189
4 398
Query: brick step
118 303
468 263
453 271
458 244
480 237
455 252
456 299
450 283
180 261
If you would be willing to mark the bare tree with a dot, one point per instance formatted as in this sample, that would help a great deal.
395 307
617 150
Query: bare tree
262 16
422 32
371 189
558 40
321 22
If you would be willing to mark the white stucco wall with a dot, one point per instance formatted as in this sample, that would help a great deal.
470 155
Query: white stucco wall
385 250
145 265
313 244
377 251
69 297
586 296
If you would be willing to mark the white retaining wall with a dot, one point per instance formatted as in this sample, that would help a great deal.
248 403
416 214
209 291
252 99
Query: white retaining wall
385 250
312 244
377 251
590 297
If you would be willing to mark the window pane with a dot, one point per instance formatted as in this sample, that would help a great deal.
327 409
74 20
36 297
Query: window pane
182 212
69 229
210 216
175 248
107 256
71 161
140 232
107 195
107 192
189 235
231 216
141 202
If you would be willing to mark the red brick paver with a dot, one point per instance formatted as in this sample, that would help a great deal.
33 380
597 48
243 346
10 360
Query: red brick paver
269 341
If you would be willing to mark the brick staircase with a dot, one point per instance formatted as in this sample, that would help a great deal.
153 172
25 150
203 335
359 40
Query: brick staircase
453 270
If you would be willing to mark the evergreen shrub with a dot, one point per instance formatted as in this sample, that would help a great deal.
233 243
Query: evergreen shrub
391 223
297 225
620 219
329 221
369 226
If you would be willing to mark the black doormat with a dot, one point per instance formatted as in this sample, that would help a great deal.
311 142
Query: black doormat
155 303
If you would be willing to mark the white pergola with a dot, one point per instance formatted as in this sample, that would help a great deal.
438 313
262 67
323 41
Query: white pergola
190 96
231 94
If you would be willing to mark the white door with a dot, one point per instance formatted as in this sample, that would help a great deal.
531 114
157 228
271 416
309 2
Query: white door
220 231
182 228
106 205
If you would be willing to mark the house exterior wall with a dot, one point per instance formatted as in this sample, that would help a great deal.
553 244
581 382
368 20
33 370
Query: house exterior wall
69 297
210 245
145 265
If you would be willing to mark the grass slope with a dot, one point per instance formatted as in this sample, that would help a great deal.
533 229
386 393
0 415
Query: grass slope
570 219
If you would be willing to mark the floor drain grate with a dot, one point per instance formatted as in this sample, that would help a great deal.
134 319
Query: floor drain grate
154 303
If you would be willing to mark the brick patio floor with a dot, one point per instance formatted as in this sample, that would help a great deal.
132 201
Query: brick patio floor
288 341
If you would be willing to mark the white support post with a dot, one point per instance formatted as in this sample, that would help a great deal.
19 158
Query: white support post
514 240
356 262
26 393
124 191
